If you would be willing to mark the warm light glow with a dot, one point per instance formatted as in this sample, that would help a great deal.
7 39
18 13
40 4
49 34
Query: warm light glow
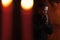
27 4
6 3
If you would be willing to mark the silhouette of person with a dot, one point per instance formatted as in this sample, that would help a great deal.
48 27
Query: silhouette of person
41 22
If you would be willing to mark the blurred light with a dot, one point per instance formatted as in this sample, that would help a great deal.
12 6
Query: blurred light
6 3
46 7
27 4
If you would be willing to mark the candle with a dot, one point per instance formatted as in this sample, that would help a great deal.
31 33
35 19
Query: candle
26 13
6 19
0 20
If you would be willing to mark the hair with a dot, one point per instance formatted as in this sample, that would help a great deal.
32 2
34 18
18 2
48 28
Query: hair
42 4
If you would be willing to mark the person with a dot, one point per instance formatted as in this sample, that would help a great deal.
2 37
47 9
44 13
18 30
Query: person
47 27
41 24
